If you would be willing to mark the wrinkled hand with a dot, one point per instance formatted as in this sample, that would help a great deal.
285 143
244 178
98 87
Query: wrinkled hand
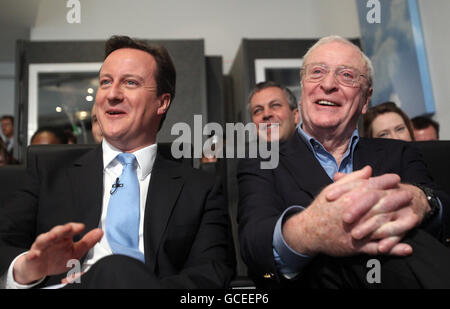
390 223
326 226
50 252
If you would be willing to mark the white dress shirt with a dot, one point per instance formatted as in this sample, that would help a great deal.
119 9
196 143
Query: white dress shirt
145 158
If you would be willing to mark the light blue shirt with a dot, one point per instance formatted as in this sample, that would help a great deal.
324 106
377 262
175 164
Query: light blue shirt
326 159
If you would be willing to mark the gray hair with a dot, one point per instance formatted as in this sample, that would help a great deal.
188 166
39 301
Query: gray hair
335 38
292 100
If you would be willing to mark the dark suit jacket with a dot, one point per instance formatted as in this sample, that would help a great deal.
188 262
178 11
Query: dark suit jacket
186 226
298 179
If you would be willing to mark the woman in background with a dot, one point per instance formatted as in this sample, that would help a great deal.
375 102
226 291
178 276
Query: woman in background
386 120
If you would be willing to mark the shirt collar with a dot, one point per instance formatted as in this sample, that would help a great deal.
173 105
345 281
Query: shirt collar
311 141
145 158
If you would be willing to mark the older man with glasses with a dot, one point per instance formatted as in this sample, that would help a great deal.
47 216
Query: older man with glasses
337 203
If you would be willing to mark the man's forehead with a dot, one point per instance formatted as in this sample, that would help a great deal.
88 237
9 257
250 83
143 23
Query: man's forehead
336 54
129 59
269 93
267 100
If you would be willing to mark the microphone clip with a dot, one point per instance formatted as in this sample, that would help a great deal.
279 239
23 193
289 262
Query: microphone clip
115 186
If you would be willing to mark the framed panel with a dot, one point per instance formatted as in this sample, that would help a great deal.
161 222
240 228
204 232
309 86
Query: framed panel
283 71
61 95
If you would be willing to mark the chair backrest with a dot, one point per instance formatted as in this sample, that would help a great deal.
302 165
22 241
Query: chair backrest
163 148
37 150
11 178
437 157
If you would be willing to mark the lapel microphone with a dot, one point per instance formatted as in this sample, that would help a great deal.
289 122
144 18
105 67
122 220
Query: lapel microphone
115 186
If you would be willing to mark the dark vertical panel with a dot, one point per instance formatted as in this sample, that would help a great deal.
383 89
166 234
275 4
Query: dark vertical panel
240 81
215 93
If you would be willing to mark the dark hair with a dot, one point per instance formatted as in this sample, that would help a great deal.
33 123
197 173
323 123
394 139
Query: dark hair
58 133
7 117
165 75
292 100
422 122
386 107
70 136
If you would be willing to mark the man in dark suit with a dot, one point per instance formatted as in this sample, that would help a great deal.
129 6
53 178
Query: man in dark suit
336 202
177 236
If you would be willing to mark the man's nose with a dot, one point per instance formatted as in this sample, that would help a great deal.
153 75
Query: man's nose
267 114
115 93
329 82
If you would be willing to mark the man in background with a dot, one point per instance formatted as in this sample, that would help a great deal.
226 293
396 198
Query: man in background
8 131
275 106
425 129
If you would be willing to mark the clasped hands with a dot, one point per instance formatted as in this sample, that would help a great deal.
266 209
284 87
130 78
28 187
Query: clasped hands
358 214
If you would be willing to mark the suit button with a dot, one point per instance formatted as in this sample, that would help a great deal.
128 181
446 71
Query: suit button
447 240
268 275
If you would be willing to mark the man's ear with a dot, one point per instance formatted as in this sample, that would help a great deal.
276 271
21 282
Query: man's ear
296 115
367 100
164 103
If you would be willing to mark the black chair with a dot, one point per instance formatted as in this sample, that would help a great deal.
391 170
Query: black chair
11 178
436 155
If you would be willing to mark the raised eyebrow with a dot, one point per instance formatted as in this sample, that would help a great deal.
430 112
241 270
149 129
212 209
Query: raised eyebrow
103 75
255 106
346 67
317 63
262 105
274 101
108 75
139 78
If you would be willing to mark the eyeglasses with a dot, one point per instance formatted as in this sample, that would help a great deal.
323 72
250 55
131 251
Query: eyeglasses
346 76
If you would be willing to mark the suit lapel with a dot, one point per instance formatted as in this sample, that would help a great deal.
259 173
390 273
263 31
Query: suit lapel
368 153
86 179
303 166
165 186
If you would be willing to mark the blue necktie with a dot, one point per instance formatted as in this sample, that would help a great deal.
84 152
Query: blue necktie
122 218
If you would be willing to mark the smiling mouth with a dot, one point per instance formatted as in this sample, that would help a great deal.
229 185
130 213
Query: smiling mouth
113 113
326 103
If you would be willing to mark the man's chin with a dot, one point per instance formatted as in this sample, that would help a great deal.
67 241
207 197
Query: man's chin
269 138
115 137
